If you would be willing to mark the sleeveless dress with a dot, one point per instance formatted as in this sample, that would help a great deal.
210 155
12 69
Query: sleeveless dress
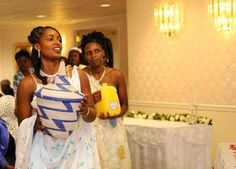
76 151
111 139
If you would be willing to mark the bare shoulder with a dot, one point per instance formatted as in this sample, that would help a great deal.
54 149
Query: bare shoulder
81 72
114 72
28 81
27 84
86 69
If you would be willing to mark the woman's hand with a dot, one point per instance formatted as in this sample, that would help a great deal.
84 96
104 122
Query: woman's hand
107 116
38 124
84 107
9 167
97 96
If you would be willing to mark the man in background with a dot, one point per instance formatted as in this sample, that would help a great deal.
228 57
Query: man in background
24 67
6 87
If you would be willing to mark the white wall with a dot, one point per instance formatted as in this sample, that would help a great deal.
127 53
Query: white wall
163 70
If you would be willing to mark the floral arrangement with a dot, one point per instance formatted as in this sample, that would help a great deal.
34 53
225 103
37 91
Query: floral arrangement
181 117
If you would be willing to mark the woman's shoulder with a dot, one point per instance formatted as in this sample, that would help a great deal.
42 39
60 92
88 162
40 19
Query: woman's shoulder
113 71
28 82
86 69
82 72
70 69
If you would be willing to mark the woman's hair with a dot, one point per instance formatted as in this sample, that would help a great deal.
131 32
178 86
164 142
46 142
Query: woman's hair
109 52
34 38
97 37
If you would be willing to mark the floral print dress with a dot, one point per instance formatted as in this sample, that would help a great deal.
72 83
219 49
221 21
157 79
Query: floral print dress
111 139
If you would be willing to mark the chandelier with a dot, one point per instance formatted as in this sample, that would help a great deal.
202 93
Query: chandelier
223 13
167 16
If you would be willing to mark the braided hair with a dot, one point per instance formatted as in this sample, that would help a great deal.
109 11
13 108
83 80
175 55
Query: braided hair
33 39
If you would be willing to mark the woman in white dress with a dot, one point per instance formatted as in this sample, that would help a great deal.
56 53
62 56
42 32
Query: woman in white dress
63 104
110 131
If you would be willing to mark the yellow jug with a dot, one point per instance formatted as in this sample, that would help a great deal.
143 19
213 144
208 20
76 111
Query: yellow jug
109 102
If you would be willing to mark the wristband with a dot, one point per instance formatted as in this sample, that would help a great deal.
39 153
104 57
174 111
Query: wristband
86 113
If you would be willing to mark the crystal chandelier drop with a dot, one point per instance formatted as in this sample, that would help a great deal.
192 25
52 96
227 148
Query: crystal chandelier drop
168 17
223 13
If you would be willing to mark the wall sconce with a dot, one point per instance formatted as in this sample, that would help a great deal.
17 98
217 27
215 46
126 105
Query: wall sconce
168 17
223 14
77 39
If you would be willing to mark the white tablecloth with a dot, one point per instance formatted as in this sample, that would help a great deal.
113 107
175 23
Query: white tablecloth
168 145
226 156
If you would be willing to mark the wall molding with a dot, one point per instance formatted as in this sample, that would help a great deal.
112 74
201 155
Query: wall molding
200 107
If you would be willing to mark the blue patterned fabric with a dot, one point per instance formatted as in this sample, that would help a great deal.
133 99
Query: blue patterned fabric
18 76
58 107
41 151
3 143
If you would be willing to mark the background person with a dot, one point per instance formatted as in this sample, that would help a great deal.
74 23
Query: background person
110 131
7 147
6 87
24 67
74 57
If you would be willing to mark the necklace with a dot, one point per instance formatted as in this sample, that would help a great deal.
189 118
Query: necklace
103 74
49 77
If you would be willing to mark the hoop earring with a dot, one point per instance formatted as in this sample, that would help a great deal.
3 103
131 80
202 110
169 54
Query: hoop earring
38 53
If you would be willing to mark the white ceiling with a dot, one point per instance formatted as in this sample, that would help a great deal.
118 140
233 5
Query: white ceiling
24 12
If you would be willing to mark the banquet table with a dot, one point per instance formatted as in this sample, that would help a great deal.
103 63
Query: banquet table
226 156
158 144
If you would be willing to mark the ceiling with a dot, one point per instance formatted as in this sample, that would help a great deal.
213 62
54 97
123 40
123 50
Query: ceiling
24 12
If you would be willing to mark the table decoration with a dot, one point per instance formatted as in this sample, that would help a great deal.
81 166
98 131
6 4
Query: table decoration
177 117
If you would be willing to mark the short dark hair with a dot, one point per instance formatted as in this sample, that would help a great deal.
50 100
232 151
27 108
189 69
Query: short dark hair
22 53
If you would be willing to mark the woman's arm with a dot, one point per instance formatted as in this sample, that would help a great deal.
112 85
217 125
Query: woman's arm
24 96
122 93
88 111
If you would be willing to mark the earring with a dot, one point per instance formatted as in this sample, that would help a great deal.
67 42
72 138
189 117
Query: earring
38 53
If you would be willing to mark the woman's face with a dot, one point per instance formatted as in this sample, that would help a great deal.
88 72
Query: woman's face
23 63
94 54
50 44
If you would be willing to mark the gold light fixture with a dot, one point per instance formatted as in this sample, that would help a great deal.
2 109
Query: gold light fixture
77 39
168 17
223 13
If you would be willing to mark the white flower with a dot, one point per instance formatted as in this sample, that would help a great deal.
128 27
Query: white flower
177 117
152 114
150 117
172 118
182 118
133 111
144 116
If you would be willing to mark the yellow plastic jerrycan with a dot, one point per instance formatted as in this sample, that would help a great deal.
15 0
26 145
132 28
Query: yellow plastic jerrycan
109 102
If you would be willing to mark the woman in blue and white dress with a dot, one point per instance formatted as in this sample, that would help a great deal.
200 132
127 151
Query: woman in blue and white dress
62 103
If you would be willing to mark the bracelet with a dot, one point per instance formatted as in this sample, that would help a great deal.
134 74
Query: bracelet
86 113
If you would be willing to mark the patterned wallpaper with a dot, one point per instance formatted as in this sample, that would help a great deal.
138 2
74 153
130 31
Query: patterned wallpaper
199 64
